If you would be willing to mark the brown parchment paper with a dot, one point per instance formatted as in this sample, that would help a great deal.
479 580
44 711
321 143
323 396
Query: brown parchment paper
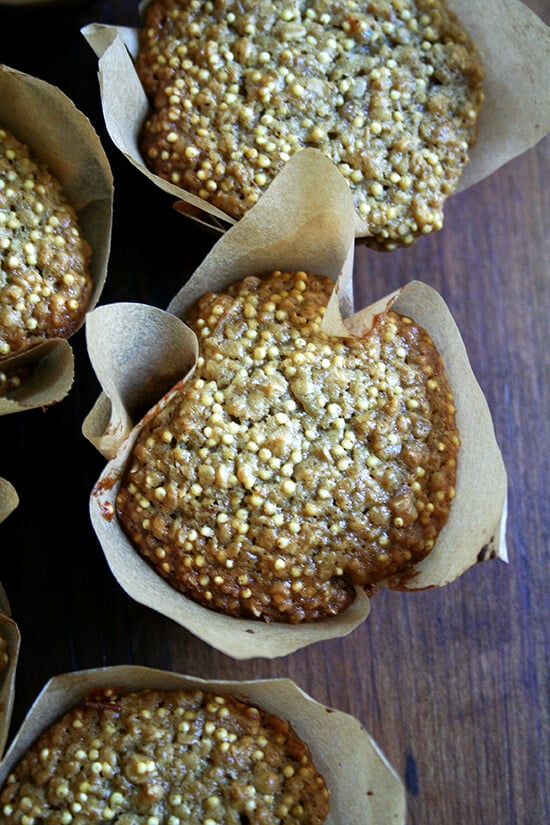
302 222
65 139
9 633
8 501
363 786
4 603
515 46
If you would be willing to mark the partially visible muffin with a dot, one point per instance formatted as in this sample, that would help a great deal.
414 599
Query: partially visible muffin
158 757
389 90
293 466
45 284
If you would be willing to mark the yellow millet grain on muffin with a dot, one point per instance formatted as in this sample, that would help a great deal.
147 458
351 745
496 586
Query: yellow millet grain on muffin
389 90
158 757
293 466
44 260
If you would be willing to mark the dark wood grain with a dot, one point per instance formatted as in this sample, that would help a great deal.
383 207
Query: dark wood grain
452 683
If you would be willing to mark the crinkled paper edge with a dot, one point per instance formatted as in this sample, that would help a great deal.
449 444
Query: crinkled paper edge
8 629
9 499
10 632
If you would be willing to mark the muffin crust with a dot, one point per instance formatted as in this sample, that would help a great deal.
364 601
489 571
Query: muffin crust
292 467
166 758
388 89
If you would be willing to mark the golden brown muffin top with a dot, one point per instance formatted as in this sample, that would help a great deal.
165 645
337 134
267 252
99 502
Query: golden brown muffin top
44 259
292 466
389 90
166 758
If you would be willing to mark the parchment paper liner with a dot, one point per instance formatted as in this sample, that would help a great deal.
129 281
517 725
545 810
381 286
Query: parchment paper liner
8 500
364 787
295 227
8 629
65 139
513 41
10 633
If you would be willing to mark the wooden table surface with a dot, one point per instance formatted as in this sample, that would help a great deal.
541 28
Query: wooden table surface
452 683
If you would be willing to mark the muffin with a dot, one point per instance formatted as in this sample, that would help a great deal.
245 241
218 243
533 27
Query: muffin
166 756
293 467
390 91
45 285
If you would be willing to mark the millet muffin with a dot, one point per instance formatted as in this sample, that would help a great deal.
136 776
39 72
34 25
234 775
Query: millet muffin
390 90
292 467
166 758
44 260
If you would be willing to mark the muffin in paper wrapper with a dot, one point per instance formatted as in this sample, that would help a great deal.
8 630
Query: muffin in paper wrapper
303 222
363 786
514 45
66 141
10 639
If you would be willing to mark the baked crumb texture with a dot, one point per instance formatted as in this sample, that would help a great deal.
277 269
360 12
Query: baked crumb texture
389 89
292 466
44 280
166 758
